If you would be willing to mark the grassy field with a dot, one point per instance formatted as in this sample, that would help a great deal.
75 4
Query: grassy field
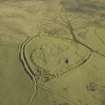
52 52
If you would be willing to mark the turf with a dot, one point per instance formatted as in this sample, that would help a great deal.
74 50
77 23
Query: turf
52 52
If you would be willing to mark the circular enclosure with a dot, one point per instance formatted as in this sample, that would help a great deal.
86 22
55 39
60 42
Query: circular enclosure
56 55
